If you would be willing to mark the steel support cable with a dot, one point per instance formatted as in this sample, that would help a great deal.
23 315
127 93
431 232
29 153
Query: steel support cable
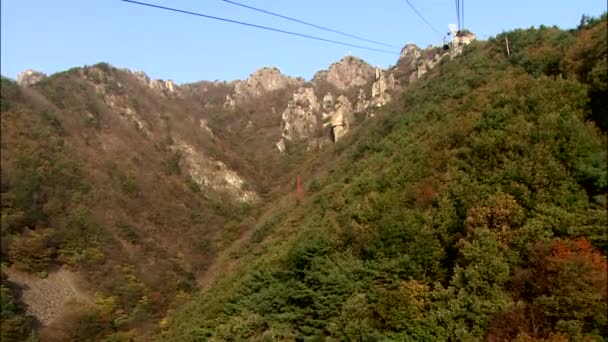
307 23
422 17
259 26
458 14
462 14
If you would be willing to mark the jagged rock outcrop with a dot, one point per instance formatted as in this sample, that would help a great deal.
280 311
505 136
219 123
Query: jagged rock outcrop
229 103
410 54
348 72
418 62
264 80
205 127
362 102
280 145
381 87
338 116
299 119
341 118
208 172
141 76
30 77
461 40
328 102
164 87
424 65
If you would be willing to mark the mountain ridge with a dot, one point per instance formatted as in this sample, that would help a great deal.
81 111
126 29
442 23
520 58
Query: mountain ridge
427 194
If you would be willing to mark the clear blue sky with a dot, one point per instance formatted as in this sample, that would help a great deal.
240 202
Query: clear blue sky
52 36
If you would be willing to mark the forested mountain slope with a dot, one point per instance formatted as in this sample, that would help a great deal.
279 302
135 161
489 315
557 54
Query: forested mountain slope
447 198
98 177
474 208
119 192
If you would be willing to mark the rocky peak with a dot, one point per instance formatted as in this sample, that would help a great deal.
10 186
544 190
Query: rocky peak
381 86
348 72
264 80
410 51
162 86
141 76
460 40
166 87
30 77
417 62
299 119
464 38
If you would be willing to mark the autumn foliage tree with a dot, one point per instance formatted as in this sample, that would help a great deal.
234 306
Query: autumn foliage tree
564 287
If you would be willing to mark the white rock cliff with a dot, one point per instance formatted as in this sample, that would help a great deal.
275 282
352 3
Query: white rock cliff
30 77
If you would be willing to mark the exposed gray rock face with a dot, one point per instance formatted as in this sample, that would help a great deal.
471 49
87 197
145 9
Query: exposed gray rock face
264 80
119 104
424 65
165 87
141 76
212 173
280 145
161 86
349 72
30 77
411 53
299 119
338 117
460 41
380 88
328 102
341 118
229 103
205 126
362 102
418 61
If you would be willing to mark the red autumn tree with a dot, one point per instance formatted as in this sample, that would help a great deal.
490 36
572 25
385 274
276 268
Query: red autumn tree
564 290
299 190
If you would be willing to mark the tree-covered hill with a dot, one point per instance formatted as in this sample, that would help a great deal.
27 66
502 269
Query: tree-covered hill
470 207
474 208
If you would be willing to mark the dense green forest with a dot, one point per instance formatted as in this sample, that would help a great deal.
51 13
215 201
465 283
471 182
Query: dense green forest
474 208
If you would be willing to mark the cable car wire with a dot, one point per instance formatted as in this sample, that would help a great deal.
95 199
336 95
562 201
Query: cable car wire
422 17
462 14
307 23
259 26
458 14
